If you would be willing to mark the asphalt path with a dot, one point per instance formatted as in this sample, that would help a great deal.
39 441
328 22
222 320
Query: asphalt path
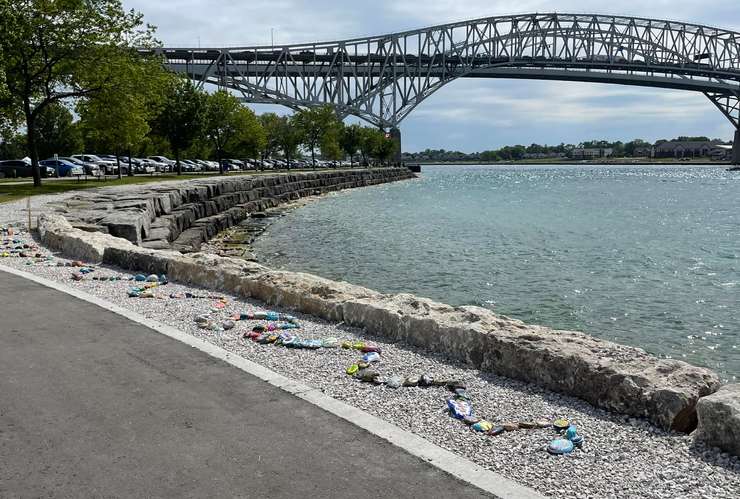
95 405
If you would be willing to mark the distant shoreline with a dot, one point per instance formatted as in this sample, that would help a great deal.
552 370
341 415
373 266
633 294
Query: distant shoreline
577 162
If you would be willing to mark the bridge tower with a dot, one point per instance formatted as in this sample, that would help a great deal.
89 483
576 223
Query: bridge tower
736 148
396 137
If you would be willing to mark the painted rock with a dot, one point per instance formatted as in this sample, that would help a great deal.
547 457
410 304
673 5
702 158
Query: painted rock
462 393
363 364
352 370
227 325
371 357
459 408
543 423
560 446
330 343
367 375
152 278
139 278
527 425
411 381
371 348
577 441
394 382
511 426
426 380
571 432
561 424
483 426
497 430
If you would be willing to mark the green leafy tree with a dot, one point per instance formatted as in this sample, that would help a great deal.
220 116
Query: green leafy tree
56 132
117 118
223 122
330 144
271 124
350 140
369 140
12 145
313 124
53 51
250 138
182 117
289 138
385 147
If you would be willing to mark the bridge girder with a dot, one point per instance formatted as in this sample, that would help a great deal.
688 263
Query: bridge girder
383 78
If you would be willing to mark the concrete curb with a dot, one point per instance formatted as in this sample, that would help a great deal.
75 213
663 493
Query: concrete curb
459 467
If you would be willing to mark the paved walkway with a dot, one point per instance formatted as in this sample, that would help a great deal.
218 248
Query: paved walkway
92 404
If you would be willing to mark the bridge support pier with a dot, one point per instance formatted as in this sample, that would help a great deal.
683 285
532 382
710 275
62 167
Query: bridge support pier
736 148
396 137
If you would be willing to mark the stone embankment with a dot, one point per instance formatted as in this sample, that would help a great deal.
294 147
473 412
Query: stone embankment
623 379
183 215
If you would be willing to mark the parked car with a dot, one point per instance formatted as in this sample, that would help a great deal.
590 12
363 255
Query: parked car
108 166
163 160
88 168
62 167
19 168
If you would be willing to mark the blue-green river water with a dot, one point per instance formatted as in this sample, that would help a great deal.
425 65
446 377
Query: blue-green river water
646 256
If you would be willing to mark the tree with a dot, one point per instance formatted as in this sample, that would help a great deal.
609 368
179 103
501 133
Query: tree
250 137
330 142
289 138
385 147
56 133
181 120
313 124
350 140
369 140
117 118
222 122
58 50
271 123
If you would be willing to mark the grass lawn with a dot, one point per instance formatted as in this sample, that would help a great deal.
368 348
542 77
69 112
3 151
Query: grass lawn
18 189
15 189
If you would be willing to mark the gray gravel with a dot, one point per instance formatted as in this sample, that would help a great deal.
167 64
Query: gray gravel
622 457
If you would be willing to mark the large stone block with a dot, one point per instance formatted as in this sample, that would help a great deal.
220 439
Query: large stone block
719 419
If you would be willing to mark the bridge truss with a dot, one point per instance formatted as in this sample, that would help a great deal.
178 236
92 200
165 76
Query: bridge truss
383 78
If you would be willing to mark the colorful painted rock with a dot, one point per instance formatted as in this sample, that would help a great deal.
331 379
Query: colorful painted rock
498 430
426 380
459 408
152 278
139 278
483 426
371 357
352 370
560 446
571 433
330 343
371 348
561 424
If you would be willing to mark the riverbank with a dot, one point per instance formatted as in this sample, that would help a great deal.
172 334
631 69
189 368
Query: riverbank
622 456
614 443
596 162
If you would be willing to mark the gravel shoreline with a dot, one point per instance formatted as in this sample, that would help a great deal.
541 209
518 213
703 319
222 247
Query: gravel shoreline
621 457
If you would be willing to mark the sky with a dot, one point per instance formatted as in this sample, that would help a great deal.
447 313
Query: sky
468 115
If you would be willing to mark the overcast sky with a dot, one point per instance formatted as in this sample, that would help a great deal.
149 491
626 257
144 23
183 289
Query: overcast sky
469 115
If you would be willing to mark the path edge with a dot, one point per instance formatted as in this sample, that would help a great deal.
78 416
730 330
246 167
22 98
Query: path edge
444 460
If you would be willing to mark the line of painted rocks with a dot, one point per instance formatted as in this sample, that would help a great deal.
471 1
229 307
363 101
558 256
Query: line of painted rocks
183 215
615 377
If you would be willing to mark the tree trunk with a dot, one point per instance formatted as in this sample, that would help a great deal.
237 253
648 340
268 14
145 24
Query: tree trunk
313 157
220 163
31 142
177 162
130 170
118 163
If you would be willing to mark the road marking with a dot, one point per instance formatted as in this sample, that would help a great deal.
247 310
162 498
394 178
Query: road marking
455 465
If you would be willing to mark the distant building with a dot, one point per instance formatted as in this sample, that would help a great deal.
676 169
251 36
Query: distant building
591 153
685 149
721 152
544 155
644 152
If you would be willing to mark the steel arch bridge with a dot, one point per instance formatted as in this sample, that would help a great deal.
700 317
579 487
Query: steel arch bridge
383 78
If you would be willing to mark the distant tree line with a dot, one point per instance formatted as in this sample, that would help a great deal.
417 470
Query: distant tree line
519 152
73 81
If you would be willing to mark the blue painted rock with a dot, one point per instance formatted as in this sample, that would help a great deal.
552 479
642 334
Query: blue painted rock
371 357
459 408
498 430
483 426
560 446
